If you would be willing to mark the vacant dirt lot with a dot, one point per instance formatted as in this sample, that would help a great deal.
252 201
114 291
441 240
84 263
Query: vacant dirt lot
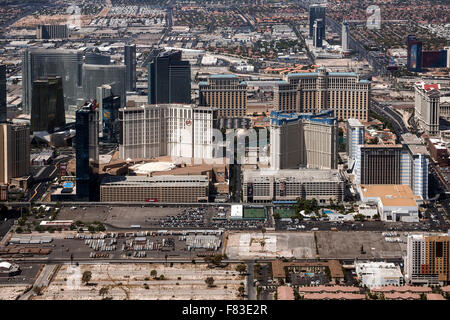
242 245
135 282
8 292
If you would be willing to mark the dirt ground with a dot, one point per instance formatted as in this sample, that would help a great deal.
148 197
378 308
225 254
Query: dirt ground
11 292
134 282
243 245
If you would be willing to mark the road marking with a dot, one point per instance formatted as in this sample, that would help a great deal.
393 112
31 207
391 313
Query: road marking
35 191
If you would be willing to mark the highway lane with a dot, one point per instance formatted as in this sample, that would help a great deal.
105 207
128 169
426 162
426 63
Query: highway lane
392 116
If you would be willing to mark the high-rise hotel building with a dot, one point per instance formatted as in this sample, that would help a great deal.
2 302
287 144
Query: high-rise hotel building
3 109
343 92
14 151
52 31
47 110
428 259
130 62
303 141
355 137
176 130
427 109
87 154
226 93
38 63
169 78
405 164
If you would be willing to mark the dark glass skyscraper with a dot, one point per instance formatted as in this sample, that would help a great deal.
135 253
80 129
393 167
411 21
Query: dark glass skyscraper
86 147
316 11
130 62
38 63
317 33
2 93
95 76
96 58
169 79
47 110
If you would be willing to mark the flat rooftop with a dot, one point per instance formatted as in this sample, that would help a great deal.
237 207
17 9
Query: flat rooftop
418 149
354 122
279 267
409 138
158 181
391 195
305 175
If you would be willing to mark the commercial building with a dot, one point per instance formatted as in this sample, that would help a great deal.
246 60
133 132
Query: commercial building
108 111
343 92
317 33
415 165
345 39
9 269
15 152
95 76
38 63
130 63
414 58
169 79
427 109
52 31
405 164
316 11
86 148
267 185
439 152
174 189
379 274
47 109
303 140
94 57
355 137
3 105
419 59
176 130
282 270
226 93
448 56
395 202
428 259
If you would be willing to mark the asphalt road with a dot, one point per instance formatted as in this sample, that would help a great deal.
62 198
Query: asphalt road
392 116
250 276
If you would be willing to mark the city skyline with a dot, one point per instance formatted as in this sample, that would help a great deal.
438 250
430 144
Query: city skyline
241 152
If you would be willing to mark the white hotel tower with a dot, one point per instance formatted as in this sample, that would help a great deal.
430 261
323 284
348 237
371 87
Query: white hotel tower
176 130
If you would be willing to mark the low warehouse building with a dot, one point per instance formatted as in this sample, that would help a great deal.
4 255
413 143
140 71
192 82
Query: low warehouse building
8 269
379 274
395 202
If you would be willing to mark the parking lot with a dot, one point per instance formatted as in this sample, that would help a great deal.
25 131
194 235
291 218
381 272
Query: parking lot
342 245
157 217
27 276
128 245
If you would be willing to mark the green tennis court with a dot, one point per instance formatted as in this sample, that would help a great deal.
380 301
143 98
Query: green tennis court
284 212
254 213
